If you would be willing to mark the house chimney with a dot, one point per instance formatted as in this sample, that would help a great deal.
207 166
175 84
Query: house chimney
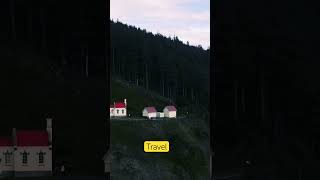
49 129
125 102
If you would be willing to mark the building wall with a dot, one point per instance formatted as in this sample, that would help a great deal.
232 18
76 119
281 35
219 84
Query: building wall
111 112
169 114
145 113
33 164
160 114
152 115
6 167
118 114
173 114
166 112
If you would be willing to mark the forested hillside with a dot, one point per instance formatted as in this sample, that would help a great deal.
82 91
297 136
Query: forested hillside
53 64
152 70
158 63
268 93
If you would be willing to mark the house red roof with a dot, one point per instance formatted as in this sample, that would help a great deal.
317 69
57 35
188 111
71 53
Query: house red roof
6 141
151 109
118 105
171 108
32 138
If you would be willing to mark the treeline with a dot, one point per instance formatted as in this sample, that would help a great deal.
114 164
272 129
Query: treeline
162 64
72 34
267 90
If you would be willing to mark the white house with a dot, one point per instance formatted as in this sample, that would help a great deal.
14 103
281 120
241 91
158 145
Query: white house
118 109
27 153
170 112
149 112
6 156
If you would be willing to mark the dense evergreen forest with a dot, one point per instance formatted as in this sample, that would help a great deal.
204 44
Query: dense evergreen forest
53 63
161 64
266 89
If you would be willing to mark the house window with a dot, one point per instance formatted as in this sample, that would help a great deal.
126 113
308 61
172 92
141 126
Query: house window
7 157
117 111
122 111
25 157
41 157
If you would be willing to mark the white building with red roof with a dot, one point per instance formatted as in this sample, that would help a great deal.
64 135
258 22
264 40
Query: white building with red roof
6 156
149 112
27 153
170 112
118 109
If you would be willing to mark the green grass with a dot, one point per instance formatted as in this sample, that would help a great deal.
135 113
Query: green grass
185 153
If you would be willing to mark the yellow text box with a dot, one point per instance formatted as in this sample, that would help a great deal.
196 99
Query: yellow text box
156 146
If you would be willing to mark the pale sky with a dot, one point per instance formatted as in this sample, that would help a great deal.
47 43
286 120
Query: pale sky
187 19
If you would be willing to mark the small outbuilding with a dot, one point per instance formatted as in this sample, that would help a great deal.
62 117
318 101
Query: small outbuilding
149 112
160 114
170 112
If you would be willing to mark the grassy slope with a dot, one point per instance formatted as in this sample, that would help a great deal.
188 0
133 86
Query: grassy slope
188 157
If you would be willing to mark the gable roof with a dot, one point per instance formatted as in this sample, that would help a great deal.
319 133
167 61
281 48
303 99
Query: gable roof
171 108
5 141
118 105
32 138
150 109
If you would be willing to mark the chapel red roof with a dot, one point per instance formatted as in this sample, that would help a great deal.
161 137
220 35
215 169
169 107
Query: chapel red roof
5 141
151 109
118 105
171 108
32 138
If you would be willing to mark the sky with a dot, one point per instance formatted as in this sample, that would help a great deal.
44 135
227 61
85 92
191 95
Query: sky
187 19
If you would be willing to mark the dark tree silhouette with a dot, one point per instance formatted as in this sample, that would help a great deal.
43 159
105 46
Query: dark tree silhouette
159 63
